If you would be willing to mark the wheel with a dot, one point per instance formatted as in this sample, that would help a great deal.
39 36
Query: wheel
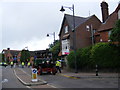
39 71
54 70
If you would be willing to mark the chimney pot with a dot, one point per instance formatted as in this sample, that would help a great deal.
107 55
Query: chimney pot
105 12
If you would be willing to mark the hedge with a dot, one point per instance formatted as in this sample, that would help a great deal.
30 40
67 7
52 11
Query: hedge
105 55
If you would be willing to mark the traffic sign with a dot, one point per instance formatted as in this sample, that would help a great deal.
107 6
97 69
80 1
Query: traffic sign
34 75
34 70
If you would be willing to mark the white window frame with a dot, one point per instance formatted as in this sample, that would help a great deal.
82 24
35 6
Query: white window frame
66 29
65 43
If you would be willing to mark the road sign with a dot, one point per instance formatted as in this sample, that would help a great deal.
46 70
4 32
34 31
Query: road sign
34 75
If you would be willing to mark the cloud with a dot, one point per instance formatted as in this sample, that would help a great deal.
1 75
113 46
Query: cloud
33 44
26 22
57 0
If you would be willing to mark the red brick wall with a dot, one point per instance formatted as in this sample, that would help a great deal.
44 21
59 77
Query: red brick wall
104 36
83 36
97 39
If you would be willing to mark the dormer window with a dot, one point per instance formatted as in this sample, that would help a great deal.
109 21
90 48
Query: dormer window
66 29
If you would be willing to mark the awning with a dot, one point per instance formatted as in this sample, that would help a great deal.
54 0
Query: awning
60 53
66 36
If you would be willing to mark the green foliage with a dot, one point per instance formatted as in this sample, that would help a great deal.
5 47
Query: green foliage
82 58
71 60
55 50
3 58
105 55
115 34
25 56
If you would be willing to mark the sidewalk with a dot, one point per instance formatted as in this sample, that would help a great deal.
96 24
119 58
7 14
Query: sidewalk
88 75
26 78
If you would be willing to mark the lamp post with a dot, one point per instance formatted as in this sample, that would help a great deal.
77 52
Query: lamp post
74 34
53 36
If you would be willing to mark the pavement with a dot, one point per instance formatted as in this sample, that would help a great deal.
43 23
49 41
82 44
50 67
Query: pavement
89 75
26 79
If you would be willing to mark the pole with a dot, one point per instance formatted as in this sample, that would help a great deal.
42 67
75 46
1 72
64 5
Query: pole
74 39
92 35
96 70
54 38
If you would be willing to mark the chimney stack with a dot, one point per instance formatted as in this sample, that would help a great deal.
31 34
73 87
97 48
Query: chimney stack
8 48
105 12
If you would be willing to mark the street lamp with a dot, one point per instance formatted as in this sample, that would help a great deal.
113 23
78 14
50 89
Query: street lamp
74 34
53 36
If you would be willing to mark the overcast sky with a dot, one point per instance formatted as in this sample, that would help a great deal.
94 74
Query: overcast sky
26 22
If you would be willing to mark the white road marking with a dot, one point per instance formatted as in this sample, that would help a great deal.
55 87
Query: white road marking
51 86
5 80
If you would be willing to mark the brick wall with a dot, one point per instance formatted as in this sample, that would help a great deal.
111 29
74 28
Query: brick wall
104 36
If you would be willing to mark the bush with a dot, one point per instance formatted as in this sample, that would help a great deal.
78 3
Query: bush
83 56
104 55
71 60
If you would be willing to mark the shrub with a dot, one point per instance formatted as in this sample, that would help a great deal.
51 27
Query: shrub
71 60
104 55
83 56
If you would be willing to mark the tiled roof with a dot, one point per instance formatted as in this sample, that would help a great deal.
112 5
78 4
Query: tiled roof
110 22
78 20
13 52
69 19
118 8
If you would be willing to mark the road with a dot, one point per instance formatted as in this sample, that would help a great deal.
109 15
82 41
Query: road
0 77
60 81
9 79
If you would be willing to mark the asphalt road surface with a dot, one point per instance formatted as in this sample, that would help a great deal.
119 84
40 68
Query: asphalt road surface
57 81
60 81
9 80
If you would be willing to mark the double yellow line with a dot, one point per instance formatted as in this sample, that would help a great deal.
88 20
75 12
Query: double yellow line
73 77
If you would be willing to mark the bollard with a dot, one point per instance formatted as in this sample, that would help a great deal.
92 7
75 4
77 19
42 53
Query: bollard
34 75
96 70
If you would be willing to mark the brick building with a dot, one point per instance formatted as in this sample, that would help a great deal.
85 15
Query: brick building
108 22
84 27
14 55
88 30
11 55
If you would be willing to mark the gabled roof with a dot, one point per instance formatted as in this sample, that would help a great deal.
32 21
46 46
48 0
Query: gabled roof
118 8
69 18
13 52
110 22
78 20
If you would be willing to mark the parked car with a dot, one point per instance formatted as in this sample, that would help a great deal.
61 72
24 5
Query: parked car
3 64
45 66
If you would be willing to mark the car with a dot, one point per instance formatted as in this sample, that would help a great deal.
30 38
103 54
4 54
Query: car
45 66
3 64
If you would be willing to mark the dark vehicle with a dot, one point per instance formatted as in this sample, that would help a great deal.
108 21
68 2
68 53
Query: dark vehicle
3 64
45 66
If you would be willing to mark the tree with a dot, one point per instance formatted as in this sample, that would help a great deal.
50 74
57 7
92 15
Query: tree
55 49
115 34
25 56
